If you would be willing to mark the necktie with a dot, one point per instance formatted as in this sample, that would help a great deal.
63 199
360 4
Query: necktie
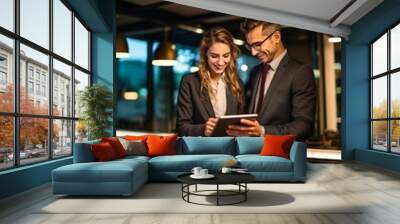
264 72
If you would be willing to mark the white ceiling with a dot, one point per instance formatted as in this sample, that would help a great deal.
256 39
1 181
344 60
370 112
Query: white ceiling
314 15
321 9
143 2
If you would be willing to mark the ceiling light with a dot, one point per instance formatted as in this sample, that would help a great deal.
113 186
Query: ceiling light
244 67
194 69
317 73
121 46
165 54
335 39
238 42
191 28
131 95
199 30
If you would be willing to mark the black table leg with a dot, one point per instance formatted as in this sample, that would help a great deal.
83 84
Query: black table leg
245 193
217 194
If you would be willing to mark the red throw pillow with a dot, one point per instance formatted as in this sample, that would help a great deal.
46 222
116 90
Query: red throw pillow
135 138
116 145
161 145
103 152
277 145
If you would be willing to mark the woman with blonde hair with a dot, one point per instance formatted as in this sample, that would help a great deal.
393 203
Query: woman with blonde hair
213 91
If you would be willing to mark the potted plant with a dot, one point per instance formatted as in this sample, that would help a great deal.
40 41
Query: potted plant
96 103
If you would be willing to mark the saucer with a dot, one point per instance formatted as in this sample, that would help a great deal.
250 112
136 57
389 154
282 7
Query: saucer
208 176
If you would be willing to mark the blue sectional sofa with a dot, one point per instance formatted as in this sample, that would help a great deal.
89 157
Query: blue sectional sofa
125 176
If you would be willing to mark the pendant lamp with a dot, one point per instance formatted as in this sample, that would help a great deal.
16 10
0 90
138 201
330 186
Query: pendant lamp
122 47
165 54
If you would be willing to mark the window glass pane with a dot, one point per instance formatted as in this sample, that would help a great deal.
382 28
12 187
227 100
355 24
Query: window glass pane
81 45
6 142
379 55
62 29
81 131
128 118
395 95
33 139
395 47
395 132
81 81
379 97
62 89
379 135
35 21
34 72
7 14
62 138
6 74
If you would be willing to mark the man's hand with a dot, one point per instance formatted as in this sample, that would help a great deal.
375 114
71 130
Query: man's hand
248 128
210 125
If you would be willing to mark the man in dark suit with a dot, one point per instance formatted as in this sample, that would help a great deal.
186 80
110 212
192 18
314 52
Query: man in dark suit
283 91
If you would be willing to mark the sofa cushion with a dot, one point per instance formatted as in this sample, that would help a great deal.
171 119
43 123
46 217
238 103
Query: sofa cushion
277 145
257 163
207 145
111 171
116 145
103 152
128 159
249 145
185 163
134 147
136 137
161 145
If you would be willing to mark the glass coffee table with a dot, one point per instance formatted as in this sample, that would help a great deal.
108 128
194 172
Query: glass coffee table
238 179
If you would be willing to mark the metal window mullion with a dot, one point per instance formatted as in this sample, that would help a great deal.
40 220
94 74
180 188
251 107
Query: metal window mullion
16 69
384 119
89 52
389 102
73 82
50 81
371 135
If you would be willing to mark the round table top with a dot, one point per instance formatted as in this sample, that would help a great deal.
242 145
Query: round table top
220 178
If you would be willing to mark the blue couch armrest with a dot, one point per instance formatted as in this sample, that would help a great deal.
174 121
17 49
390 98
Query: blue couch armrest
298 155
83 152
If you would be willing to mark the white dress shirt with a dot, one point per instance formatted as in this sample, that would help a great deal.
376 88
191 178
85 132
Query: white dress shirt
218 101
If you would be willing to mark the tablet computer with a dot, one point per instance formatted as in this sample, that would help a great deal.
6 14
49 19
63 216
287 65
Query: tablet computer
226 120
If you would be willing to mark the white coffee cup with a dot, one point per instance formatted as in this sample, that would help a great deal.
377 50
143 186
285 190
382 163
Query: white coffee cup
226 170
196 170
203 172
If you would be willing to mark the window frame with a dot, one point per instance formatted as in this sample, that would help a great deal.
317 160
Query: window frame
388 74
16 114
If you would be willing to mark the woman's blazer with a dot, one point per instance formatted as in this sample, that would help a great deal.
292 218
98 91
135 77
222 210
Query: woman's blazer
194 107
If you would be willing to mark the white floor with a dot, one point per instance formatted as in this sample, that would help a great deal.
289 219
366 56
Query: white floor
377 189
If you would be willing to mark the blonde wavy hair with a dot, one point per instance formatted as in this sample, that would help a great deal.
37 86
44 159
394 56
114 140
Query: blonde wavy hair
231 77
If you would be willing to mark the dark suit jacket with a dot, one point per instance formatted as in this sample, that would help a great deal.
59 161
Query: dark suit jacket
194 107
289 105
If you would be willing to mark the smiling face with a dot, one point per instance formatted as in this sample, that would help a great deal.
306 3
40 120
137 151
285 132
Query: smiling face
265 44
218 57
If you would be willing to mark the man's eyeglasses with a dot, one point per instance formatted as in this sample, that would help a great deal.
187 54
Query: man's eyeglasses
257 45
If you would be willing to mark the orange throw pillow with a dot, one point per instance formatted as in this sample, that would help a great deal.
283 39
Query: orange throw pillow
103 152
161 145
116 145
277 145
135 138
